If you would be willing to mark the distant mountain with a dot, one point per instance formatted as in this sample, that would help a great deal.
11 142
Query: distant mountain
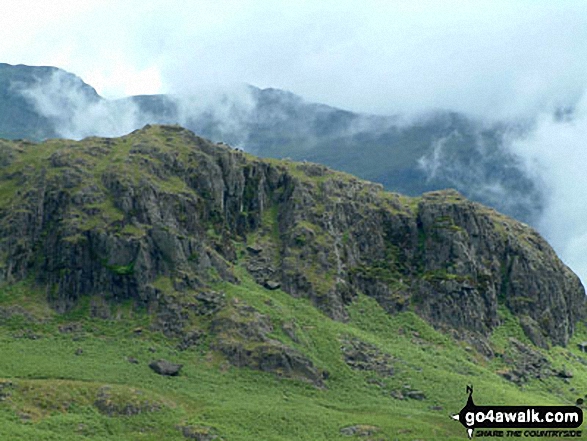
436 151
19 117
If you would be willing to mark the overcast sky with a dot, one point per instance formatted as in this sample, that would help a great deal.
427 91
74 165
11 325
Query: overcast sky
492 58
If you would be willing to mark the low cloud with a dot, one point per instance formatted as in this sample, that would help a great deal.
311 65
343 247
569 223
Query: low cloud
222 113
489 58
555 156
75 110
484 168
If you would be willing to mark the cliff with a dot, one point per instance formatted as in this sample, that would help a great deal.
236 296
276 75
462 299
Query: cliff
159 216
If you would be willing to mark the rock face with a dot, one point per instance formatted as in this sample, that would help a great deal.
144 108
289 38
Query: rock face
154 217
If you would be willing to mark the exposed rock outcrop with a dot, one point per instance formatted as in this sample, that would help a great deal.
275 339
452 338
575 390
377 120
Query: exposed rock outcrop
527 363
367 357
243 337
154 217
112 402
199 433
359 430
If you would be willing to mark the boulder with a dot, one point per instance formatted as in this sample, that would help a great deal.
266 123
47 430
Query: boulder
199 433
416 395
272 285
164 367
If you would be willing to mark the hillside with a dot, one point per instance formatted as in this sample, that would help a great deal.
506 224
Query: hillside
303 303
411 156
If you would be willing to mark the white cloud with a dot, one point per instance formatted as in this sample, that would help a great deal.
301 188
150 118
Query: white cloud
124 80
491 58
556 154
77 114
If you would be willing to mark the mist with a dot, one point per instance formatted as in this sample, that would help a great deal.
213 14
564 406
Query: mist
489 58
555 154
75 111
491 174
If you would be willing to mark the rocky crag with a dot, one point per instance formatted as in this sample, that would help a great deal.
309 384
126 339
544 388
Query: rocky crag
161 217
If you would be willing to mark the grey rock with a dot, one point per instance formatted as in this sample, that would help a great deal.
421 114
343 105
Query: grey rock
564 373
164 367
6 389
528 363
397 394
191 338
360 430
416 395
242 337
209 302
533 331
7 312
290 329
199 433
254 249
25 416
132 405
272 285
71 328
364 356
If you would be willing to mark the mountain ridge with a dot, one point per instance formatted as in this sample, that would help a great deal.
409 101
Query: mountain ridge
435 151
297 302
335 235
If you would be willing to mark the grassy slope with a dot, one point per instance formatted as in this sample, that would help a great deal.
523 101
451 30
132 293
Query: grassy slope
51 392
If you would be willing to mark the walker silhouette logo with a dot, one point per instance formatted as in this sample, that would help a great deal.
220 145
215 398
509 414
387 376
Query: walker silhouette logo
484 420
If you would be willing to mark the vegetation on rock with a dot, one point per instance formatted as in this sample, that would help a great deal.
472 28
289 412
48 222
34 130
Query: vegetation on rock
300 303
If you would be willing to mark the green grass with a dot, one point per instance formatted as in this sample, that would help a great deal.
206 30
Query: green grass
53 391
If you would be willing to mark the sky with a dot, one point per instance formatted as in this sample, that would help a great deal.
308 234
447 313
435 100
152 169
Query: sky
492 59
497 58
